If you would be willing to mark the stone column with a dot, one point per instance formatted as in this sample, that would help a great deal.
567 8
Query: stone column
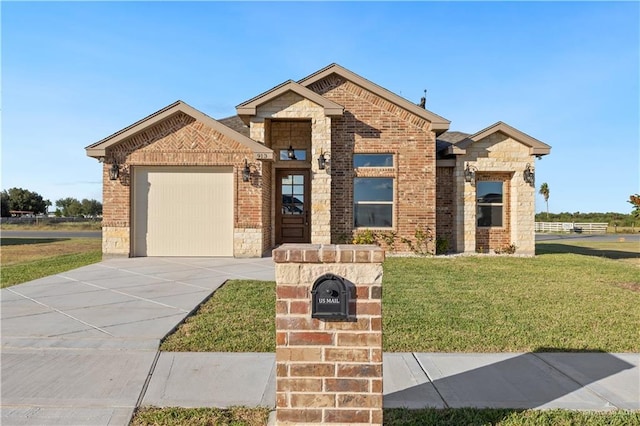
328 371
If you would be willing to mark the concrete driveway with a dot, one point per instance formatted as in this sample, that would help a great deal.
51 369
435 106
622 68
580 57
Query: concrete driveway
78 347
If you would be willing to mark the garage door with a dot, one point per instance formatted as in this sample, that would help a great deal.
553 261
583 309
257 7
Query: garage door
182 211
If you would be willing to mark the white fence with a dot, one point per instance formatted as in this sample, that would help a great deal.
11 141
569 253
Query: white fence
587 228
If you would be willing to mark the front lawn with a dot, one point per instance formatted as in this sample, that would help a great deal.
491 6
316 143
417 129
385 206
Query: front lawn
240 317
26 259
174 416
553 302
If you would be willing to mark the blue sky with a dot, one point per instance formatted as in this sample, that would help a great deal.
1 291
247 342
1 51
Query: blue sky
565 73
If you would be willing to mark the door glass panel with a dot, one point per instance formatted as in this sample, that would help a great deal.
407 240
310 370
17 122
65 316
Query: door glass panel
293 195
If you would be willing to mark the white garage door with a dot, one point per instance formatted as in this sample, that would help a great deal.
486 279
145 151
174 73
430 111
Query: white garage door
182 211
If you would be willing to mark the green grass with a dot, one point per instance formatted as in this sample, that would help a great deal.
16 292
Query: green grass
27 271
553 302
239 318
507 417
200 416
396 417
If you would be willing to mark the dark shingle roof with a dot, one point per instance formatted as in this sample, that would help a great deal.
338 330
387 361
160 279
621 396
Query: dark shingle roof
453 137
234 122
447 139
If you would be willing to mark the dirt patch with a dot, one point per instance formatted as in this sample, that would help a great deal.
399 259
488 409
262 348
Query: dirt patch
629 286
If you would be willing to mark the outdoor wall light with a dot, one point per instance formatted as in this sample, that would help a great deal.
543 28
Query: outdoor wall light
322 161
470 173
291 153
114 171
529 175
246 172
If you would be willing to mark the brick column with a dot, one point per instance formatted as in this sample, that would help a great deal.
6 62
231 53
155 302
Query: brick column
328 371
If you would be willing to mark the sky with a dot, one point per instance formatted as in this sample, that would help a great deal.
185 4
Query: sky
565 73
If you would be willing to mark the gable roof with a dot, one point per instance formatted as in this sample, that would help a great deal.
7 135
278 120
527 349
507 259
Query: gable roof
99 148
248 108
536 147
438 123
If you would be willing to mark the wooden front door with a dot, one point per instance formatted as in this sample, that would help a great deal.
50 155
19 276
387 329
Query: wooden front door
292 206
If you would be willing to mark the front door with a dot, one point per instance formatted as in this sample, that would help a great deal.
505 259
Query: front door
292 206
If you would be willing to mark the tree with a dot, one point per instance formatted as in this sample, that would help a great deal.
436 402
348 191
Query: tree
24 200
634 200
91 207
544 191
69 207
4 204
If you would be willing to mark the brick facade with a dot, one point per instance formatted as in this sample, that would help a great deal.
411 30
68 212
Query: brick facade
372 125
445 209
180 140
328 371
338 114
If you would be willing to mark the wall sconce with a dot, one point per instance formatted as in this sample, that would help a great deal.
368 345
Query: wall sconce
322 161
291 153
114 171
470 173
246 172
529 175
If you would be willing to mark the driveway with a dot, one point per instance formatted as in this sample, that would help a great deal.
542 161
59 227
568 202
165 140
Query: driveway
78 347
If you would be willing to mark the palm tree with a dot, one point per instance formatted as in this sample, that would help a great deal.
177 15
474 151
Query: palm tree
544 191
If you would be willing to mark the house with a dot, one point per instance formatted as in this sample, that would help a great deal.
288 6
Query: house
313 161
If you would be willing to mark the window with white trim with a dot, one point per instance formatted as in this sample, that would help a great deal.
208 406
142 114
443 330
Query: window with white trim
489 202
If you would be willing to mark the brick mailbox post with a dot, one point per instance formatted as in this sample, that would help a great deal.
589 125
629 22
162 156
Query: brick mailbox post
329 334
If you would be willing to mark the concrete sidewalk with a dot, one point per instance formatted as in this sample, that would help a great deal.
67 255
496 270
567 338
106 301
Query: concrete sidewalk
578 381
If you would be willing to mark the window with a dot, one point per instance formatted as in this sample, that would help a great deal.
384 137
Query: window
300 154
489 202
373 202
372 160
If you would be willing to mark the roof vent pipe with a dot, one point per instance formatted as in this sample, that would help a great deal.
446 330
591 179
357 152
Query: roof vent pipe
423 100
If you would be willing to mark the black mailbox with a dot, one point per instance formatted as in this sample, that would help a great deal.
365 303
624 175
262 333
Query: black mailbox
330 298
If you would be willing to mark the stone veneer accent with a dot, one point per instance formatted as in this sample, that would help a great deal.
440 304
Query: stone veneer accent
247 242
291 106
328 371
496 155
115 240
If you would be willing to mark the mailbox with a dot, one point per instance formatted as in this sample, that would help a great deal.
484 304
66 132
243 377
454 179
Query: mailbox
330 298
